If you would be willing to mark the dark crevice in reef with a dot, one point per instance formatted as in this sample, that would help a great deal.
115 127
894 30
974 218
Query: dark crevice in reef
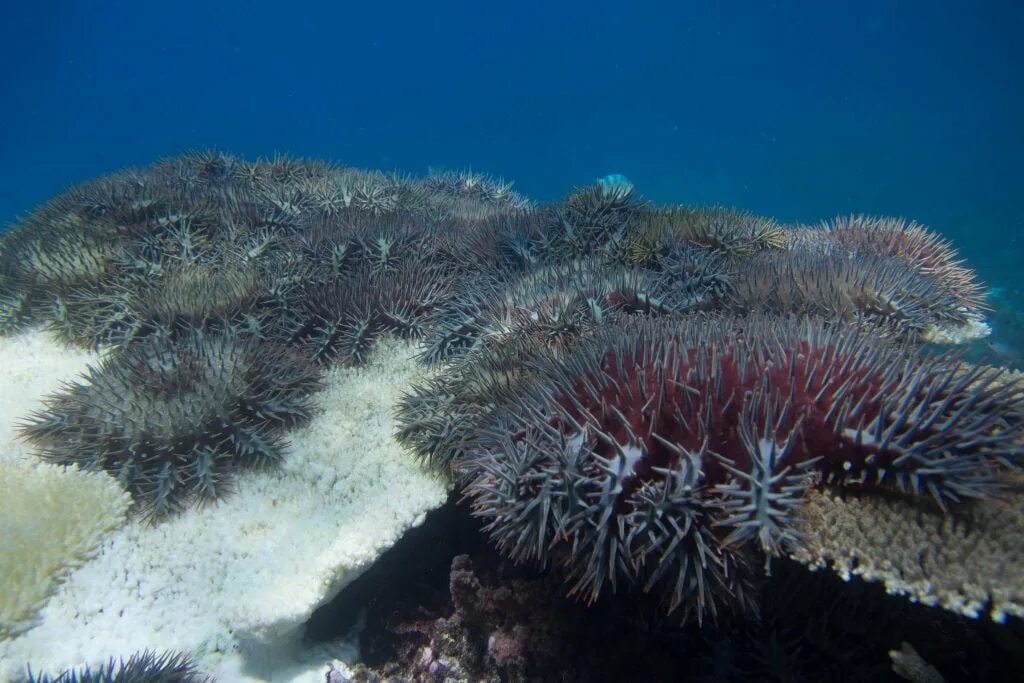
442 604
413 568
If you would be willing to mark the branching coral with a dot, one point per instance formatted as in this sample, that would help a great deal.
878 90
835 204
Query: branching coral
968 562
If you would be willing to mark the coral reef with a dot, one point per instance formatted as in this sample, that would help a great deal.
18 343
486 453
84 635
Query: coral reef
212 275
579 446
494 626
659 402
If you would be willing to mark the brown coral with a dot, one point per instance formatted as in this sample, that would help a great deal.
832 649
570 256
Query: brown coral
969 563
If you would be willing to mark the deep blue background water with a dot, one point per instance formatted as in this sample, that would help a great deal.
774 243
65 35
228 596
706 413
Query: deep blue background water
799 110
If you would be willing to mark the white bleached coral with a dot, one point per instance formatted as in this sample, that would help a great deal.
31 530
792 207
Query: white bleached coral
246 573
974 328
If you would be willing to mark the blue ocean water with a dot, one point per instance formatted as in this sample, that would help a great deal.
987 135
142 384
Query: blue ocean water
798 110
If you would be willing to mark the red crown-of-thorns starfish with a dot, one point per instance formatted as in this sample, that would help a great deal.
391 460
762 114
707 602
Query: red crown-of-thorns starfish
665 453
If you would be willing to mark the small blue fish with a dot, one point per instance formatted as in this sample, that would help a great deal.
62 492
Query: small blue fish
615 185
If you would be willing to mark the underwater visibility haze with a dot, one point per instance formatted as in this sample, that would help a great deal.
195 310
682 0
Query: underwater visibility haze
455 341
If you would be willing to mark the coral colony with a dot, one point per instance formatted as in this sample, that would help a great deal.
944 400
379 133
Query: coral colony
626 393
